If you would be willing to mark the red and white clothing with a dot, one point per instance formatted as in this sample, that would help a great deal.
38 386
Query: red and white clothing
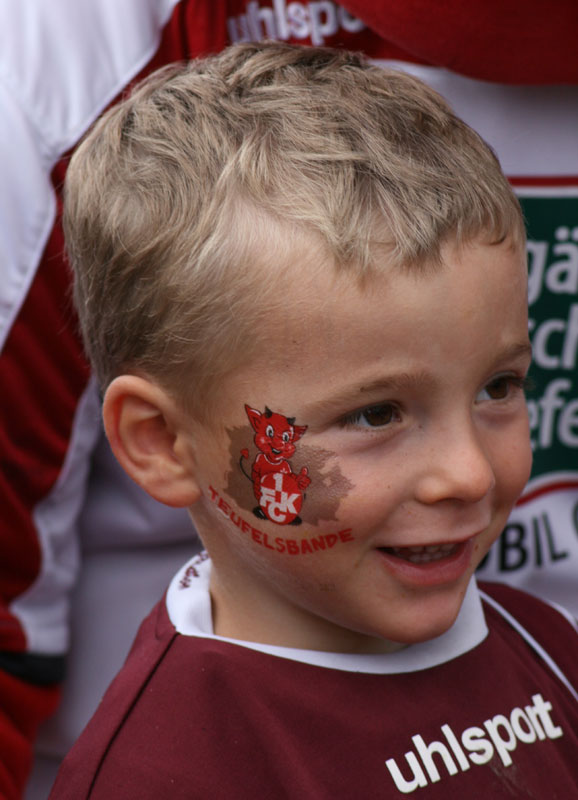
264 466
64 500
487 710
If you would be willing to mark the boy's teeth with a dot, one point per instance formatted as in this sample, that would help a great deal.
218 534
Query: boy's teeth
419 554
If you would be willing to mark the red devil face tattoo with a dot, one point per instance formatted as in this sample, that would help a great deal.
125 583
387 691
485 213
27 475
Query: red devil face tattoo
279 491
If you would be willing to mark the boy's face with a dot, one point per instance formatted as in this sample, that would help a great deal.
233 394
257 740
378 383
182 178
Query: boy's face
366 461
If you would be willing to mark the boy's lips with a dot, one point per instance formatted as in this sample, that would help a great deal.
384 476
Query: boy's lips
427 565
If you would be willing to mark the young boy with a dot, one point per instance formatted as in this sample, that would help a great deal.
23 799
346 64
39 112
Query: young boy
301 280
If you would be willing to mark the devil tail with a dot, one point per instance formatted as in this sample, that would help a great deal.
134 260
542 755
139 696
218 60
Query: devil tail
244 455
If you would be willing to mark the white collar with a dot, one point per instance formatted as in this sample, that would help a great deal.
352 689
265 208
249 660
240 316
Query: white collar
189 609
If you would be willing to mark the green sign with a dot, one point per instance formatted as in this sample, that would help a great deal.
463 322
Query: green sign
552 220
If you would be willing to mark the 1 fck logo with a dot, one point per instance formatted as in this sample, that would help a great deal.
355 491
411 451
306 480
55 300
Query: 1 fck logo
280 497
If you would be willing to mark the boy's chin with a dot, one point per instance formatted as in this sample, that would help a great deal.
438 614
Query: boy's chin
427 632
390 641
433 620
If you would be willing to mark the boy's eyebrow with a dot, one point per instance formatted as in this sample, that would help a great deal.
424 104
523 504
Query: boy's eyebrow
514 352
398 381
405 380
391 383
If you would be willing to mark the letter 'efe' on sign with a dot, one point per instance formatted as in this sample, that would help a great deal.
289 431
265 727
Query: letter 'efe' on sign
279 491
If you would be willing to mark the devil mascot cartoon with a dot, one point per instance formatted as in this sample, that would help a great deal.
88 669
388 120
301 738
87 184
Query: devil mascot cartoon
279 491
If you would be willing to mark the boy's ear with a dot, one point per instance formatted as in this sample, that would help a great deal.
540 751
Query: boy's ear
145 429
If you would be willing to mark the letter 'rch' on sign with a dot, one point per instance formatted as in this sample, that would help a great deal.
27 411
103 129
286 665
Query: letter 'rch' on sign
290 484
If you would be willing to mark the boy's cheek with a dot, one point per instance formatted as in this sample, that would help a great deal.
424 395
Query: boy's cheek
516 470
288 509
305 490
483 547
514 477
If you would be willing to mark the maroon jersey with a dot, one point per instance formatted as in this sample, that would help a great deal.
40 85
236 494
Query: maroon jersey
486 711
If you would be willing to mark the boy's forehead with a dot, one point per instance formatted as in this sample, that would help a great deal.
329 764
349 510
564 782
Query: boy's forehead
313 286
320 310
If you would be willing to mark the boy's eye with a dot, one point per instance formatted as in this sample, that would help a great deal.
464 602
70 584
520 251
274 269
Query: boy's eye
269 431
501 387
373 416
285 437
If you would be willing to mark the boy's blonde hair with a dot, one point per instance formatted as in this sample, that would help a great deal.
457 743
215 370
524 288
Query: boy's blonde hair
184 202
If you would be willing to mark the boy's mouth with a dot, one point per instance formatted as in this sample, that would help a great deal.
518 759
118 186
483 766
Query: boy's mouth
422 554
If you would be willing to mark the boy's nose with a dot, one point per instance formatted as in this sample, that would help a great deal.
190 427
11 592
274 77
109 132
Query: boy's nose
455 467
